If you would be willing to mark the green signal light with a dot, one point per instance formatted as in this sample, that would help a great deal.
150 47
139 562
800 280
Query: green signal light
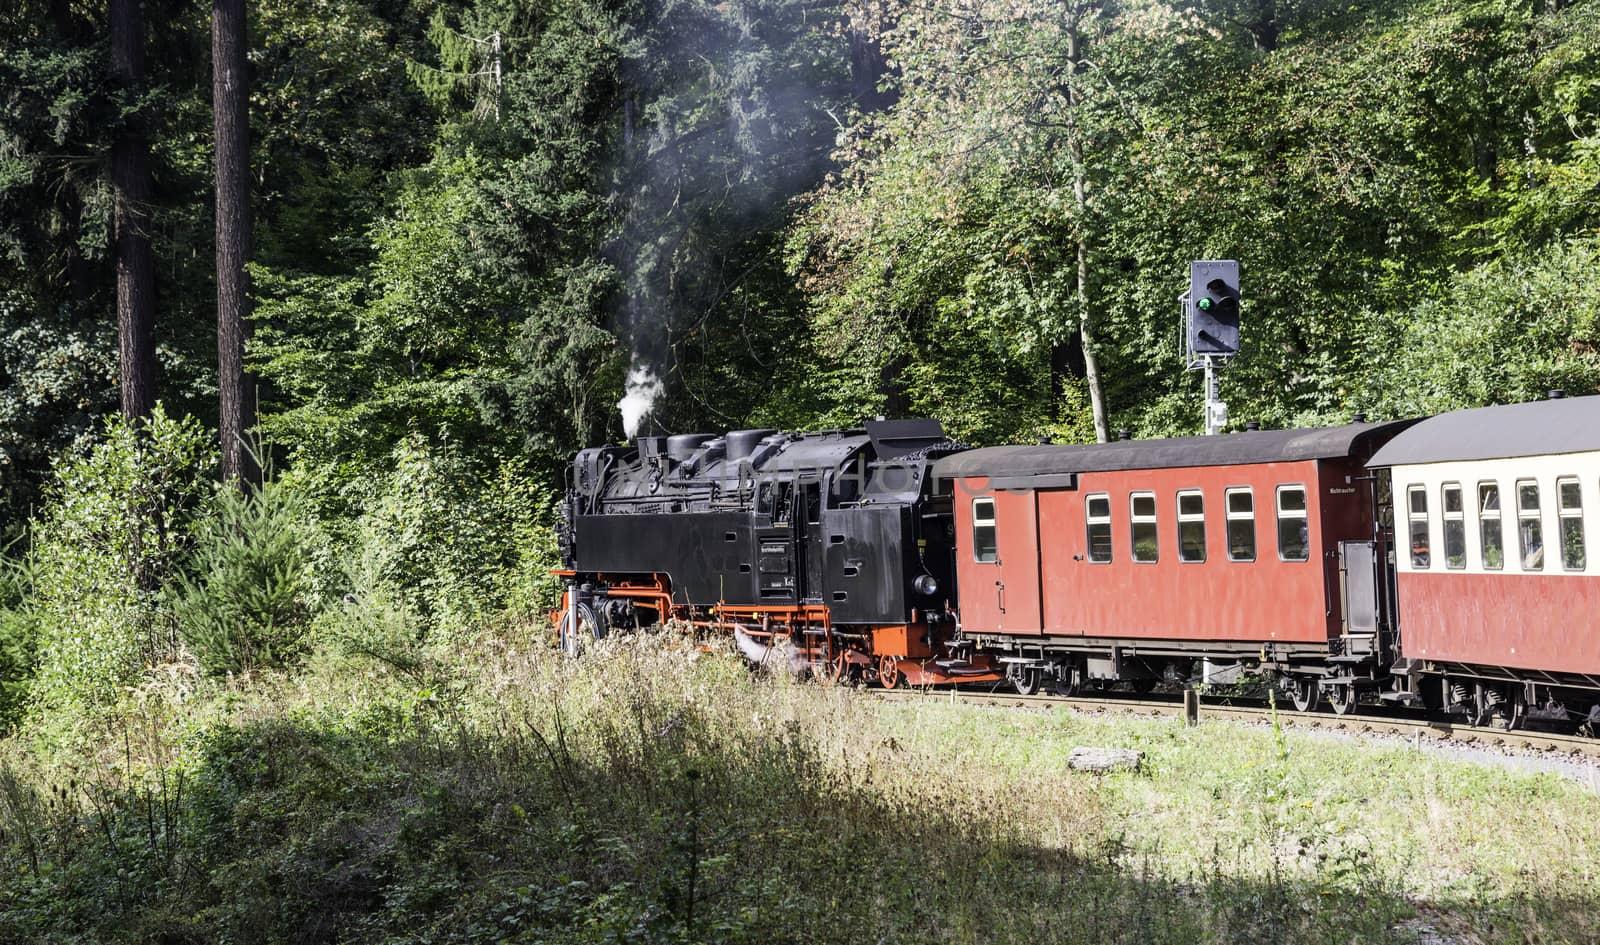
1204 304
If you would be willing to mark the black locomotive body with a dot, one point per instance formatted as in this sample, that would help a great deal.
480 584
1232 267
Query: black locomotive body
833 541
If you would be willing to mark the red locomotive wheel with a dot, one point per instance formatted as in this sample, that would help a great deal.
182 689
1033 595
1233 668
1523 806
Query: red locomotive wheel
889 672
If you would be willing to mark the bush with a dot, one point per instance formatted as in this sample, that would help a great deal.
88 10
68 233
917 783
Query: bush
19 638
452 540
242 603
110 537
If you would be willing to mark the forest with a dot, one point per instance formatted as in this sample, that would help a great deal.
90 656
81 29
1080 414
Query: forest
306 304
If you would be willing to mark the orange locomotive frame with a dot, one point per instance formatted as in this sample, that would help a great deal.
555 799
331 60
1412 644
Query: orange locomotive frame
889 653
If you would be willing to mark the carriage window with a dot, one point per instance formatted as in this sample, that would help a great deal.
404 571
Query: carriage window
1294 532
1530 530
1097 513
1569 502
1241 525
1417 512
1455 526
1191 526
984 549
1494 552
1142 521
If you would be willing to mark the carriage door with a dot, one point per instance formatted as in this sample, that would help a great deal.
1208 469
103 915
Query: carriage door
1000 573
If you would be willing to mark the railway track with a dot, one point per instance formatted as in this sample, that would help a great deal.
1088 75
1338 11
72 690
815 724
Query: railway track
1418 730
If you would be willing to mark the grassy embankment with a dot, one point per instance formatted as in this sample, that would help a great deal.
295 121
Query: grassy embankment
649 794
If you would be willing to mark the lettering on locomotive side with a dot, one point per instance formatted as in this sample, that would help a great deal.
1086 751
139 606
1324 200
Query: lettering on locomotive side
1342 490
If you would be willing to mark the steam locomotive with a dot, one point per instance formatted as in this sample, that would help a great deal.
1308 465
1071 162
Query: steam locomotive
894 555
831 547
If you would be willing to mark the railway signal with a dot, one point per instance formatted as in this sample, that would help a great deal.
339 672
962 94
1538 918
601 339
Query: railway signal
1214 307
1211 328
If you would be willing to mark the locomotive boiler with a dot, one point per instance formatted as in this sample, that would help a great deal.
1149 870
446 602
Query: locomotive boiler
829 551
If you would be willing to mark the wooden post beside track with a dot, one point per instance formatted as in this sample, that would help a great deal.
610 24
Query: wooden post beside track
1191 706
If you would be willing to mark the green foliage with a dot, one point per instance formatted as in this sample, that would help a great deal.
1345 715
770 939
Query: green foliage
19 638
1503 332
365 364
1359 163
242 602
451 540
110 538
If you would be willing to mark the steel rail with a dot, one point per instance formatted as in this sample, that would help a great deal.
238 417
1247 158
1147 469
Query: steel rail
1353 724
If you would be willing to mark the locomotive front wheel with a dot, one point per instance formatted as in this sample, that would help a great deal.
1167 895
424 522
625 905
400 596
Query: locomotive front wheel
589 628
1304 693
889 672
836 672
1342 698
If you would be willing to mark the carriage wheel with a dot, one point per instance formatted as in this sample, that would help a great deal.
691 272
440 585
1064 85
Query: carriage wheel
1517 715
1304 693
1025 679
1068 681
1342 697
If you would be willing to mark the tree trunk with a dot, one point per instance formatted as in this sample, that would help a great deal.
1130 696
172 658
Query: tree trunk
868 68
1091 360
1264 25
132 190
231 109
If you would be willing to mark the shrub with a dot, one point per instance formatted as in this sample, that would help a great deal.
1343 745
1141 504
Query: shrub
454 539
19 638
111 535
242 603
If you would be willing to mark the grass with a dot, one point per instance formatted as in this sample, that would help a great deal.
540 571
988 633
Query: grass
650 793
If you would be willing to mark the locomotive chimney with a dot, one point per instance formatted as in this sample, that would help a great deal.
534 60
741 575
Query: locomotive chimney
1253 426
1558 394
1358 418
1124 434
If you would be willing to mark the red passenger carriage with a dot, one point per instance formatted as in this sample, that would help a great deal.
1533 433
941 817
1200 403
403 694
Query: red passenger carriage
1132 560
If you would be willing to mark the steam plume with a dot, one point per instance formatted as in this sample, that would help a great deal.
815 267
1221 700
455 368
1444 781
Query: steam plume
642 390
726 113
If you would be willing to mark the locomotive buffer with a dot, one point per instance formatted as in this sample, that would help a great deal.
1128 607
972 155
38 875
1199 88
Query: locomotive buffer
1211 328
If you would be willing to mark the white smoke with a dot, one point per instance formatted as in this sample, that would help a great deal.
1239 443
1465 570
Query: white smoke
643 389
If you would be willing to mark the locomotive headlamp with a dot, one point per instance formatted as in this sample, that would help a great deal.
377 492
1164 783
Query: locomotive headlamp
926 585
